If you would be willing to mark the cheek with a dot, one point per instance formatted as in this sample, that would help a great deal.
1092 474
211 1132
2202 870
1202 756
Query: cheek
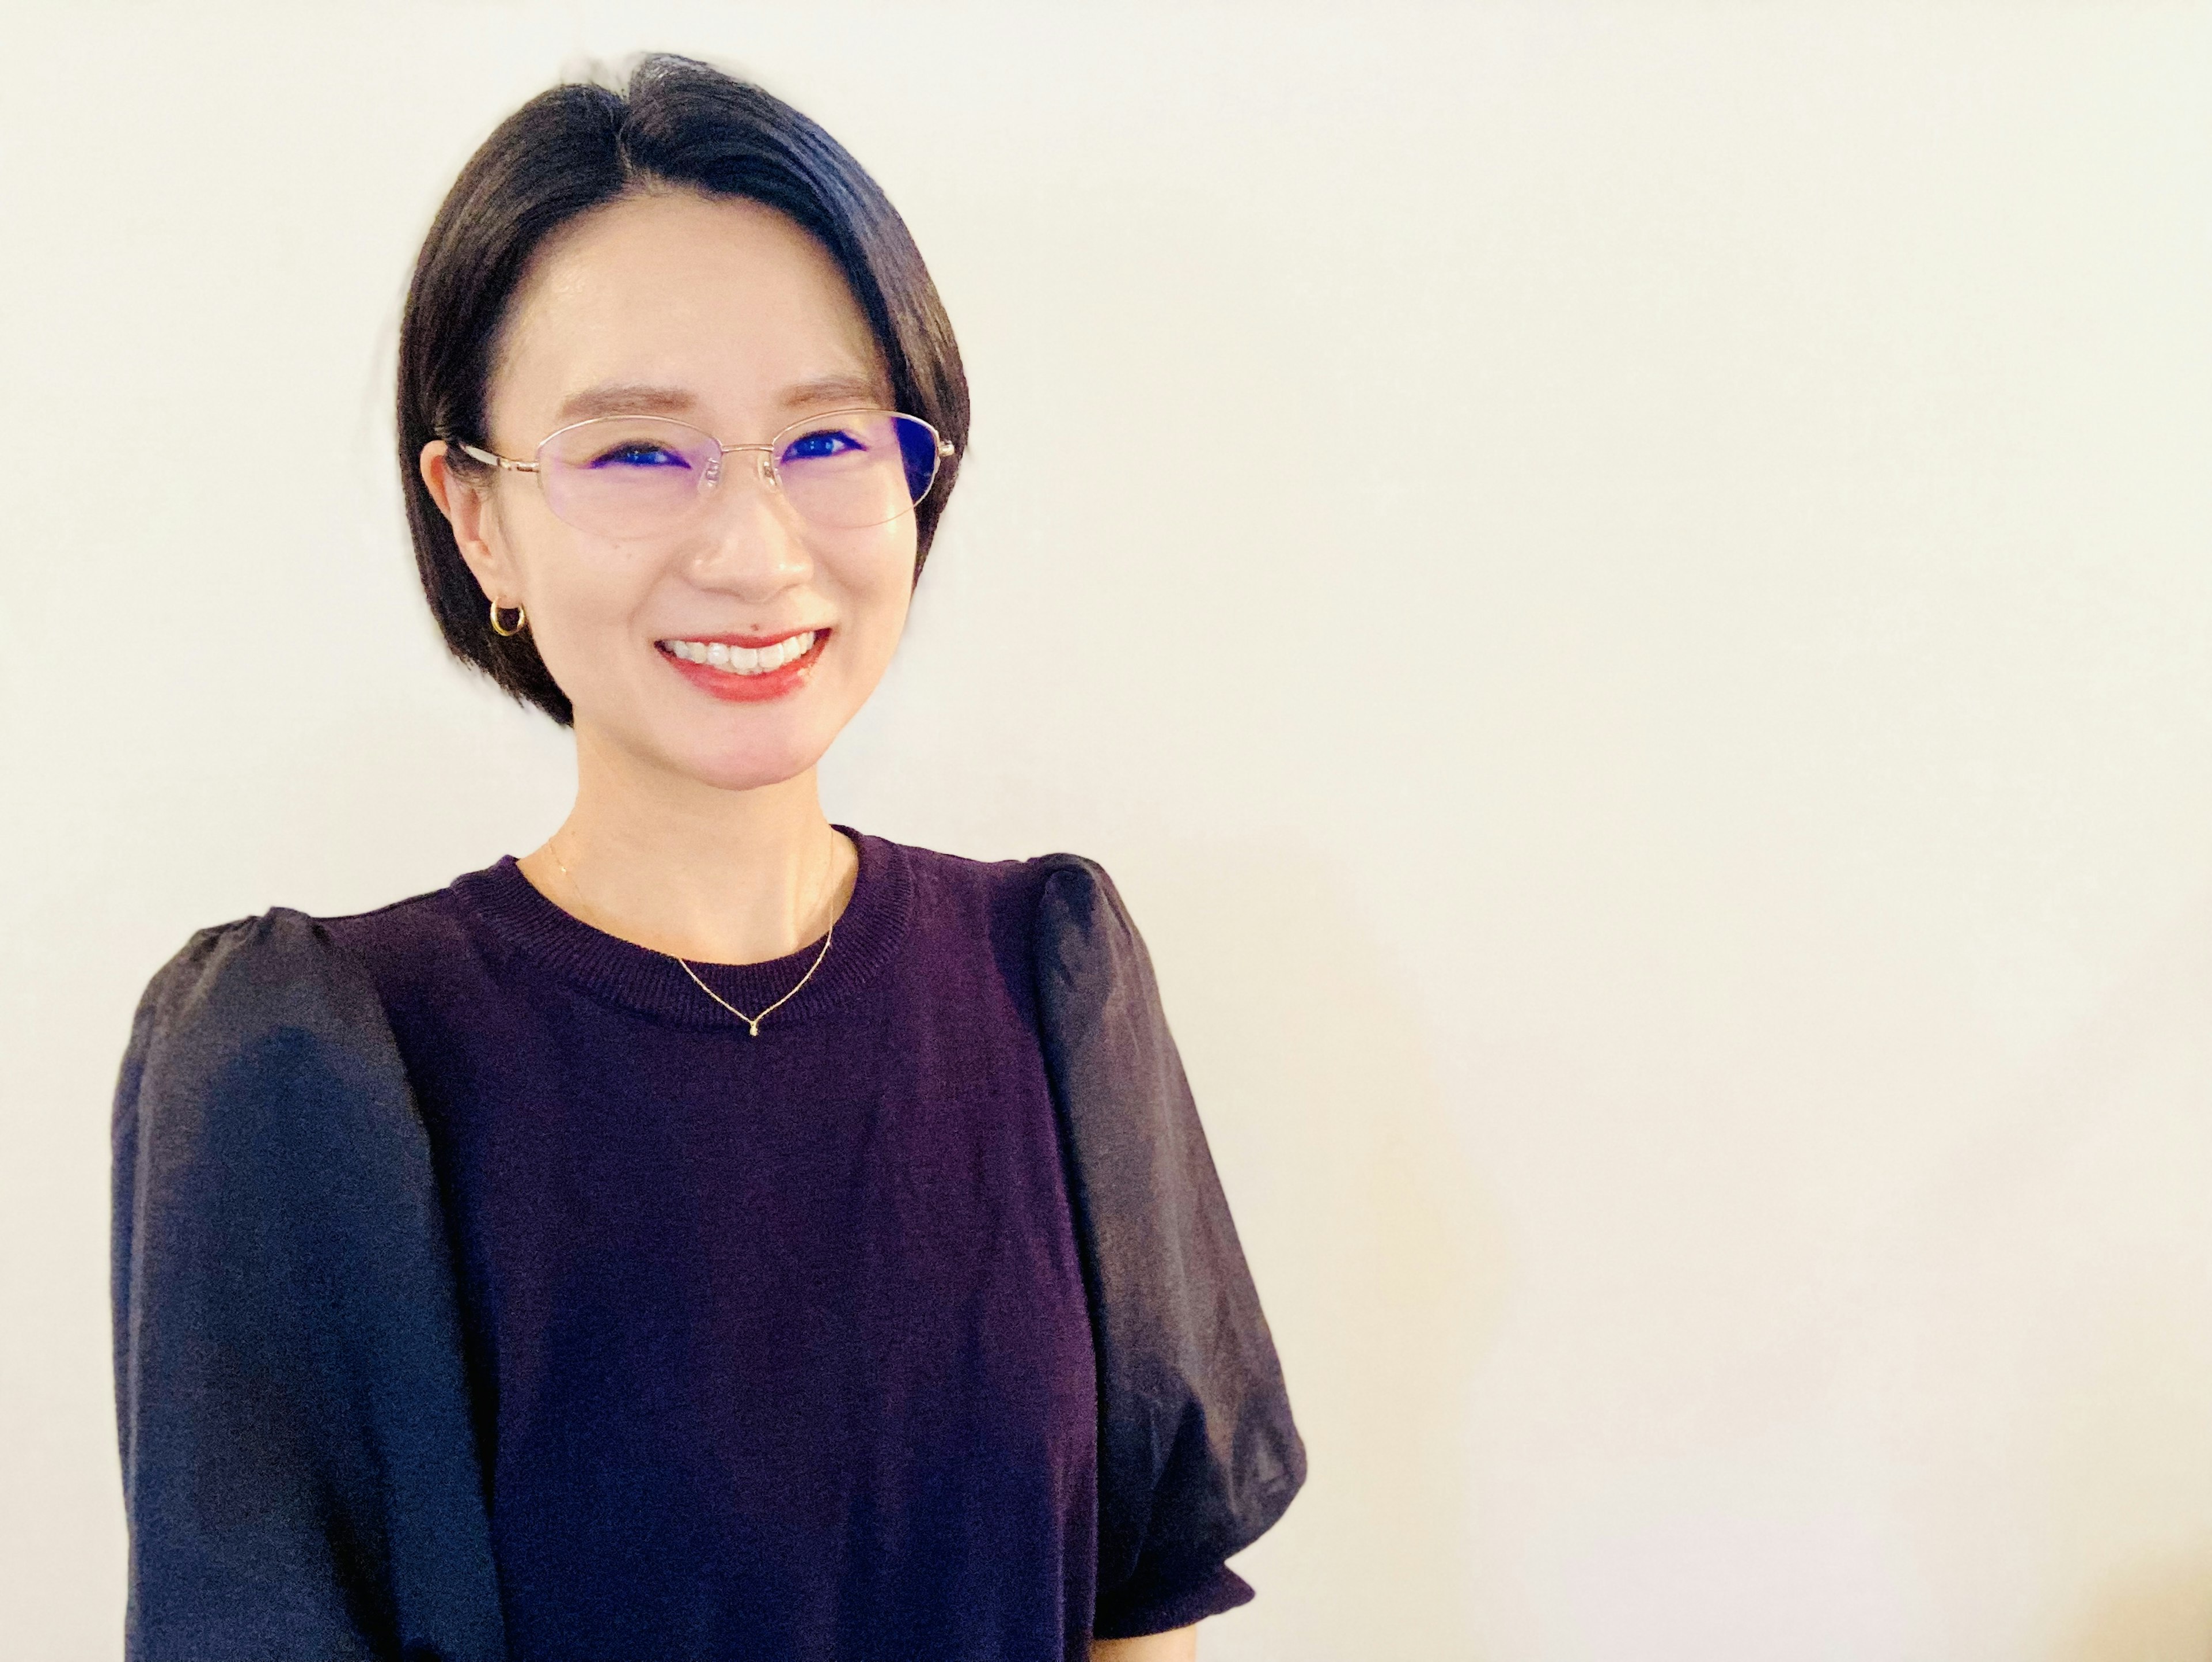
876 599
876 573
582 605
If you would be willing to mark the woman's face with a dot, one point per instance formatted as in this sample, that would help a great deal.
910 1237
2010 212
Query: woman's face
723 314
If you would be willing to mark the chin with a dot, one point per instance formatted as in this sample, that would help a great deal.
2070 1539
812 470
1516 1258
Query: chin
732 746
751 762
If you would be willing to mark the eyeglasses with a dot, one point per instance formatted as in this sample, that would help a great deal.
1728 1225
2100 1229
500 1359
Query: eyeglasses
644 475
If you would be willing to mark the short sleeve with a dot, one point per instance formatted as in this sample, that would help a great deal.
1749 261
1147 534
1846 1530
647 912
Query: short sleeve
1198 1452
299 1470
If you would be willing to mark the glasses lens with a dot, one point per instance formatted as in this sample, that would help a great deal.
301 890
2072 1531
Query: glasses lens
627 476
856 468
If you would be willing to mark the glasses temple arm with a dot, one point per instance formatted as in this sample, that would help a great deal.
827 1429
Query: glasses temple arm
489 460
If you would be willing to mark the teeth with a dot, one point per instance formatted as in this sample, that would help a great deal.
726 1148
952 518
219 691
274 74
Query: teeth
742 660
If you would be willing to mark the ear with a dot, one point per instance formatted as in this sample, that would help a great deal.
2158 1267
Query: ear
468 508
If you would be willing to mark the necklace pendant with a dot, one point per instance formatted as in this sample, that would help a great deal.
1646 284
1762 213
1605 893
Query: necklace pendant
754 1026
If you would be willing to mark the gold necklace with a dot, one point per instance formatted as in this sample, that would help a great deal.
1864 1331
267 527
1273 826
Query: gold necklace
753 1022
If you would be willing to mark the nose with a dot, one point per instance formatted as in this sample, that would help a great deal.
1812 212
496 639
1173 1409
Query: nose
753 545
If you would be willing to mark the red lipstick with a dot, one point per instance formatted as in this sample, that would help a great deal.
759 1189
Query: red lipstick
732 688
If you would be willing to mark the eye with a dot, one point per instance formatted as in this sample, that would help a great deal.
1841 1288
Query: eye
639 453
823 442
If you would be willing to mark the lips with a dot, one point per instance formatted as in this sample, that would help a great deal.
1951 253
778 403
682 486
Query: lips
742 657
746 669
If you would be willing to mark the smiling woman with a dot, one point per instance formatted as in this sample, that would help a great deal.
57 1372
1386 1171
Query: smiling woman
715 1233
641 533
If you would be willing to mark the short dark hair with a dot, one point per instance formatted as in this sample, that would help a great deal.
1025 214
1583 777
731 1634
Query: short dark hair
678 123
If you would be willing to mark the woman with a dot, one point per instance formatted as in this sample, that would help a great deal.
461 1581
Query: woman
716 1233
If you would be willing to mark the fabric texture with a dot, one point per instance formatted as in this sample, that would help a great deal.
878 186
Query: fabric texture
298 1468
1198 1452
779 1345
311 1458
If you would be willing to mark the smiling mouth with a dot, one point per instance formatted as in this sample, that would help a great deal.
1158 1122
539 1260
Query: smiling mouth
733 660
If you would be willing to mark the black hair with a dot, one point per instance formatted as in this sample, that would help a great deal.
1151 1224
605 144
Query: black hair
675 123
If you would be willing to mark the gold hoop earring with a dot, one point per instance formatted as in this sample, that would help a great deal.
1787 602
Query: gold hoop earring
520 619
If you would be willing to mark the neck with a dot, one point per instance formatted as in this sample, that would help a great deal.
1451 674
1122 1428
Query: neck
689 869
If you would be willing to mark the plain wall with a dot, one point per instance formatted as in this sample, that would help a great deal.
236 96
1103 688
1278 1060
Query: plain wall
1624 589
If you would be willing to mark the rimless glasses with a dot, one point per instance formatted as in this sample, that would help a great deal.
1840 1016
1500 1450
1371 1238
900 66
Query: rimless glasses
646 476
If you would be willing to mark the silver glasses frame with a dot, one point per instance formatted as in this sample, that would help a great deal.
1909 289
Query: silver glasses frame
765 468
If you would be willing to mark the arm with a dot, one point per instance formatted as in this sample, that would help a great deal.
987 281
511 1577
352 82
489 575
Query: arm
298 1470
1181 1646
1198 1454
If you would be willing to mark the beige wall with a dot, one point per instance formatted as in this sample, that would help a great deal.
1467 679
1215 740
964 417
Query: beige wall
1625 590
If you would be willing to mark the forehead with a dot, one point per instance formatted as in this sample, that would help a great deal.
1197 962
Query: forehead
723 299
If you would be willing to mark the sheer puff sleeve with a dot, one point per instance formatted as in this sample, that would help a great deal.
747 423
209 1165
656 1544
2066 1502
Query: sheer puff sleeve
1198 1454
298 1469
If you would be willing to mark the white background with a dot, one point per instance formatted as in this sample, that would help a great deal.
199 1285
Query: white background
1625 590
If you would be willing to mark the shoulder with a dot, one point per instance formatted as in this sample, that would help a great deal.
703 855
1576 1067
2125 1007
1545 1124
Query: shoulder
1058 898
1056 922
251 1045
233 988
1092 971
1077 900
411 950
254 972
1084 958
285 963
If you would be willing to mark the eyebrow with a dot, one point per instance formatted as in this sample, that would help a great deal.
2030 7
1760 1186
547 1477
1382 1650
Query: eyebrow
832 389
640 399
625 398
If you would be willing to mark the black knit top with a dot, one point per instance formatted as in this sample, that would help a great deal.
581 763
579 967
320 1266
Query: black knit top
912 1327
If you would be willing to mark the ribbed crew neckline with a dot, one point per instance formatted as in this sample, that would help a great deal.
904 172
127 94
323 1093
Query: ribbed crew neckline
867 934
